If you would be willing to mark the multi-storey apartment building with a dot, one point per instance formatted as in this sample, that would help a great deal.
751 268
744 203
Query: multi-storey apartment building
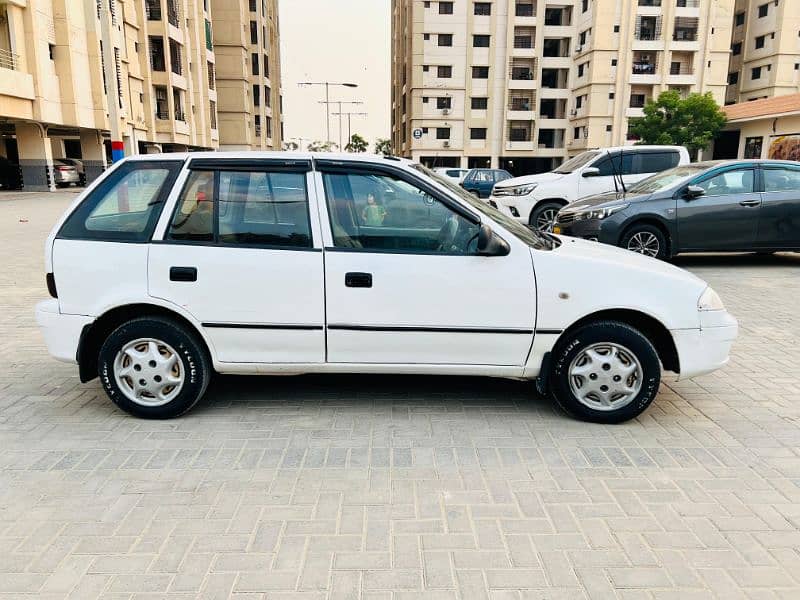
523 84
765 50
180 79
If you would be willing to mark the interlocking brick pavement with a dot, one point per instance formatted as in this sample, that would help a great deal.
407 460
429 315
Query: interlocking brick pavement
406 488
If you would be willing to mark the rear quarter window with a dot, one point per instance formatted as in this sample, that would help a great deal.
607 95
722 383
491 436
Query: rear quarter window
126 205
655 162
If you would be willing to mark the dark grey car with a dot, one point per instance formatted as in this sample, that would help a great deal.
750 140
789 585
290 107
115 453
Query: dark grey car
730 206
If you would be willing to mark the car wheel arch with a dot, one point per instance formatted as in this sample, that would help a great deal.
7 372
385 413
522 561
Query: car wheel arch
651 327
95 333
562 201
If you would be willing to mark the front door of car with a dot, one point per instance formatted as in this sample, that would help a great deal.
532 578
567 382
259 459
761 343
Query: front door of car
724 217
404 284
779 216
238 253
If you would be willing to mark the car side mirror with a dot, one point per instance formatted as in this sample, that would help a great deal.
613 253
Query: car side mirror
693 191
591 172
491 244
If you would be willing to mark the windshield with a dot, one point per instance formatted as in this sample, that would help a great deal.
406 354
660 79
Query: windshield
530 237
576 162
666 179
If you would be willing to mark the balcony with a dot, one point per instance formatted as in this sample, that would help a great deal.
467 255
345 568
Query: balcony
551 138
644 68
524 9
648 28
520 107
552 108
524 39
558 16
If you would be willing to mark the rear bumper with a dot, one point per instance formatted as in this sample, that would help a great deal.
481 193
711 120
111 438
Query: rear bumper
706 349
62 333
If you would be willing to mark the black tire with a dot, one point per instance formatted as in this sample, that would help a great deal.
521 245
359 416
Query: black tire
574 343
541 211
646 232
191 352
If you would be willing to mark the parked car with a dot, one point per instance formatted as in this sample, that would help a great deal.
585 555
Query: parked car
740 205
65 174
456 175
78 164
536 199
171 267
480 182
10 175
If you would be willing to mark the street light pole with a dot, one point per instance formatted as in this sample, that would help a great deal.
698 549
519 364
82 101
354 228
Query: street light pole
340 113
350 114
327 85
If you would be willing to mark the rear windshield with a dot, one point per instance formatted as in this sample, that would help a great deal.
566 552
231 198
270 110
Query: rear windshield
126 205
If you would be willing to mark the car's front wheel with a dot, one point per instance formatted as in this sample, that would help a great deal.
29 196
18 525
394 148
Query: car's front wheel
153 368
605 372
543 217
647 240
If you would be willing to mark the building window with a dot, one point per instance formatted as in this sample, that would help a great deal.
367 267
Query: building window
267 96
616 28
579 102
763 10
576 133
736 49
256 95
211 76
253 32
480 103
609 128
424 99
477 133
442 133
254 64
480 41
177 103
733 78
157 61
637 100
444 71
425 68
582 69
613 62
445 39
175 57
257 125
611 95
585 5
444 102
483 8
253 6
266 66
480 72
162 106
760 41
426 36
582 38
739 19
445 8
755 73
753 147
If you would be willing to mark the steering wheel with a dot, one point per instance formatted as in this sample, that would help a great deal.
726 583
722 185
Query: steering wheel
447 234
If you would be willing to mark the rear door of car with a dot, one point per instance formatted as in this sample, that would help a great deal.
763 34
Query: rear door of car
726 216
779 216
240 251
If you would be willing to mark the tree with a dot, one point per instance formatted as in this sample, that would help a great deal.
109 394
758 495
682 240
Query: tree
356 144
692 121
317 146
291 146
383 146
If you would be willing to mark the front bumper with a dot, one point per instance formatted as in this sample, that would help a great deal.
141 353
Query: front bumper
596 230
62 333
706 349
516 207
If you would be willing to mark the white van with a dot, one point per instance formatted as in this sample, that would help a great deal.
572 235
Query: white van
536 199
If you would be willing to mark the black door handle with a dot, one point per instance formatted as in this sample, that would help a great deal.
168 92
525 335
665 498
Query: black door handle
182 274
750 202
363 280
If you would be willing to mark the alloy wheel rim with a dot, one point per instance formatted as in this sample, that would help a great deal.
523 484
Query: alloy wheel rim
149 372
605 376
645 243
546 219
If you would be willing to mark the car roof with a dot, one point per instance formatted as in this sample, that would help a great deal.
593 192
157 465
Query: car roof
276 155
708 164
634 148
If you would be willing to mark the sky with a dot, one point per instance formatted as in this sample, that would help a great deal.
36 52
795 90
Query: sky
337 41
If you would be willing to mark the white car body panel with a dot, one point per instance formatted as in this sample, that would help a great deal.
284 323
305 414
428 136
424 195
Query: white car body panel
518 305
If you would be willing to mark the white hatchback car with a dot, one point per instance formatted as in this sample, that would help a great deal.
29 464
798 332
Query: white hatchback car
171 267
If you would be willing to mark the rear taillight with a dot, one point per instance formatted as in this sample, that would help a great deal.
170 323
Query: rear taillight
63 168
51 285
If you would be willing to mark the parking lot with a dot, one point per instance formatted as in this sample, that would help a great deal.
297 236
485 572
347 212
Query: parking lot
400 487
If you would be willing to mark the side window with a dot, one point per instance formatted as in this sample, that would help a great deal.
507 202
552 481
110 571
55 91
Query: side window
258 208
781 180
126 205
729 182
615 163
655 162
380 212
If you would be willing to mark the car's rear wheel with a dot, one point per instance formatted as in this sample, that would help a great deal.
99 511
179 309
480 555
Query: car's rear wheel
647 240
153 368
605 372
543 217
